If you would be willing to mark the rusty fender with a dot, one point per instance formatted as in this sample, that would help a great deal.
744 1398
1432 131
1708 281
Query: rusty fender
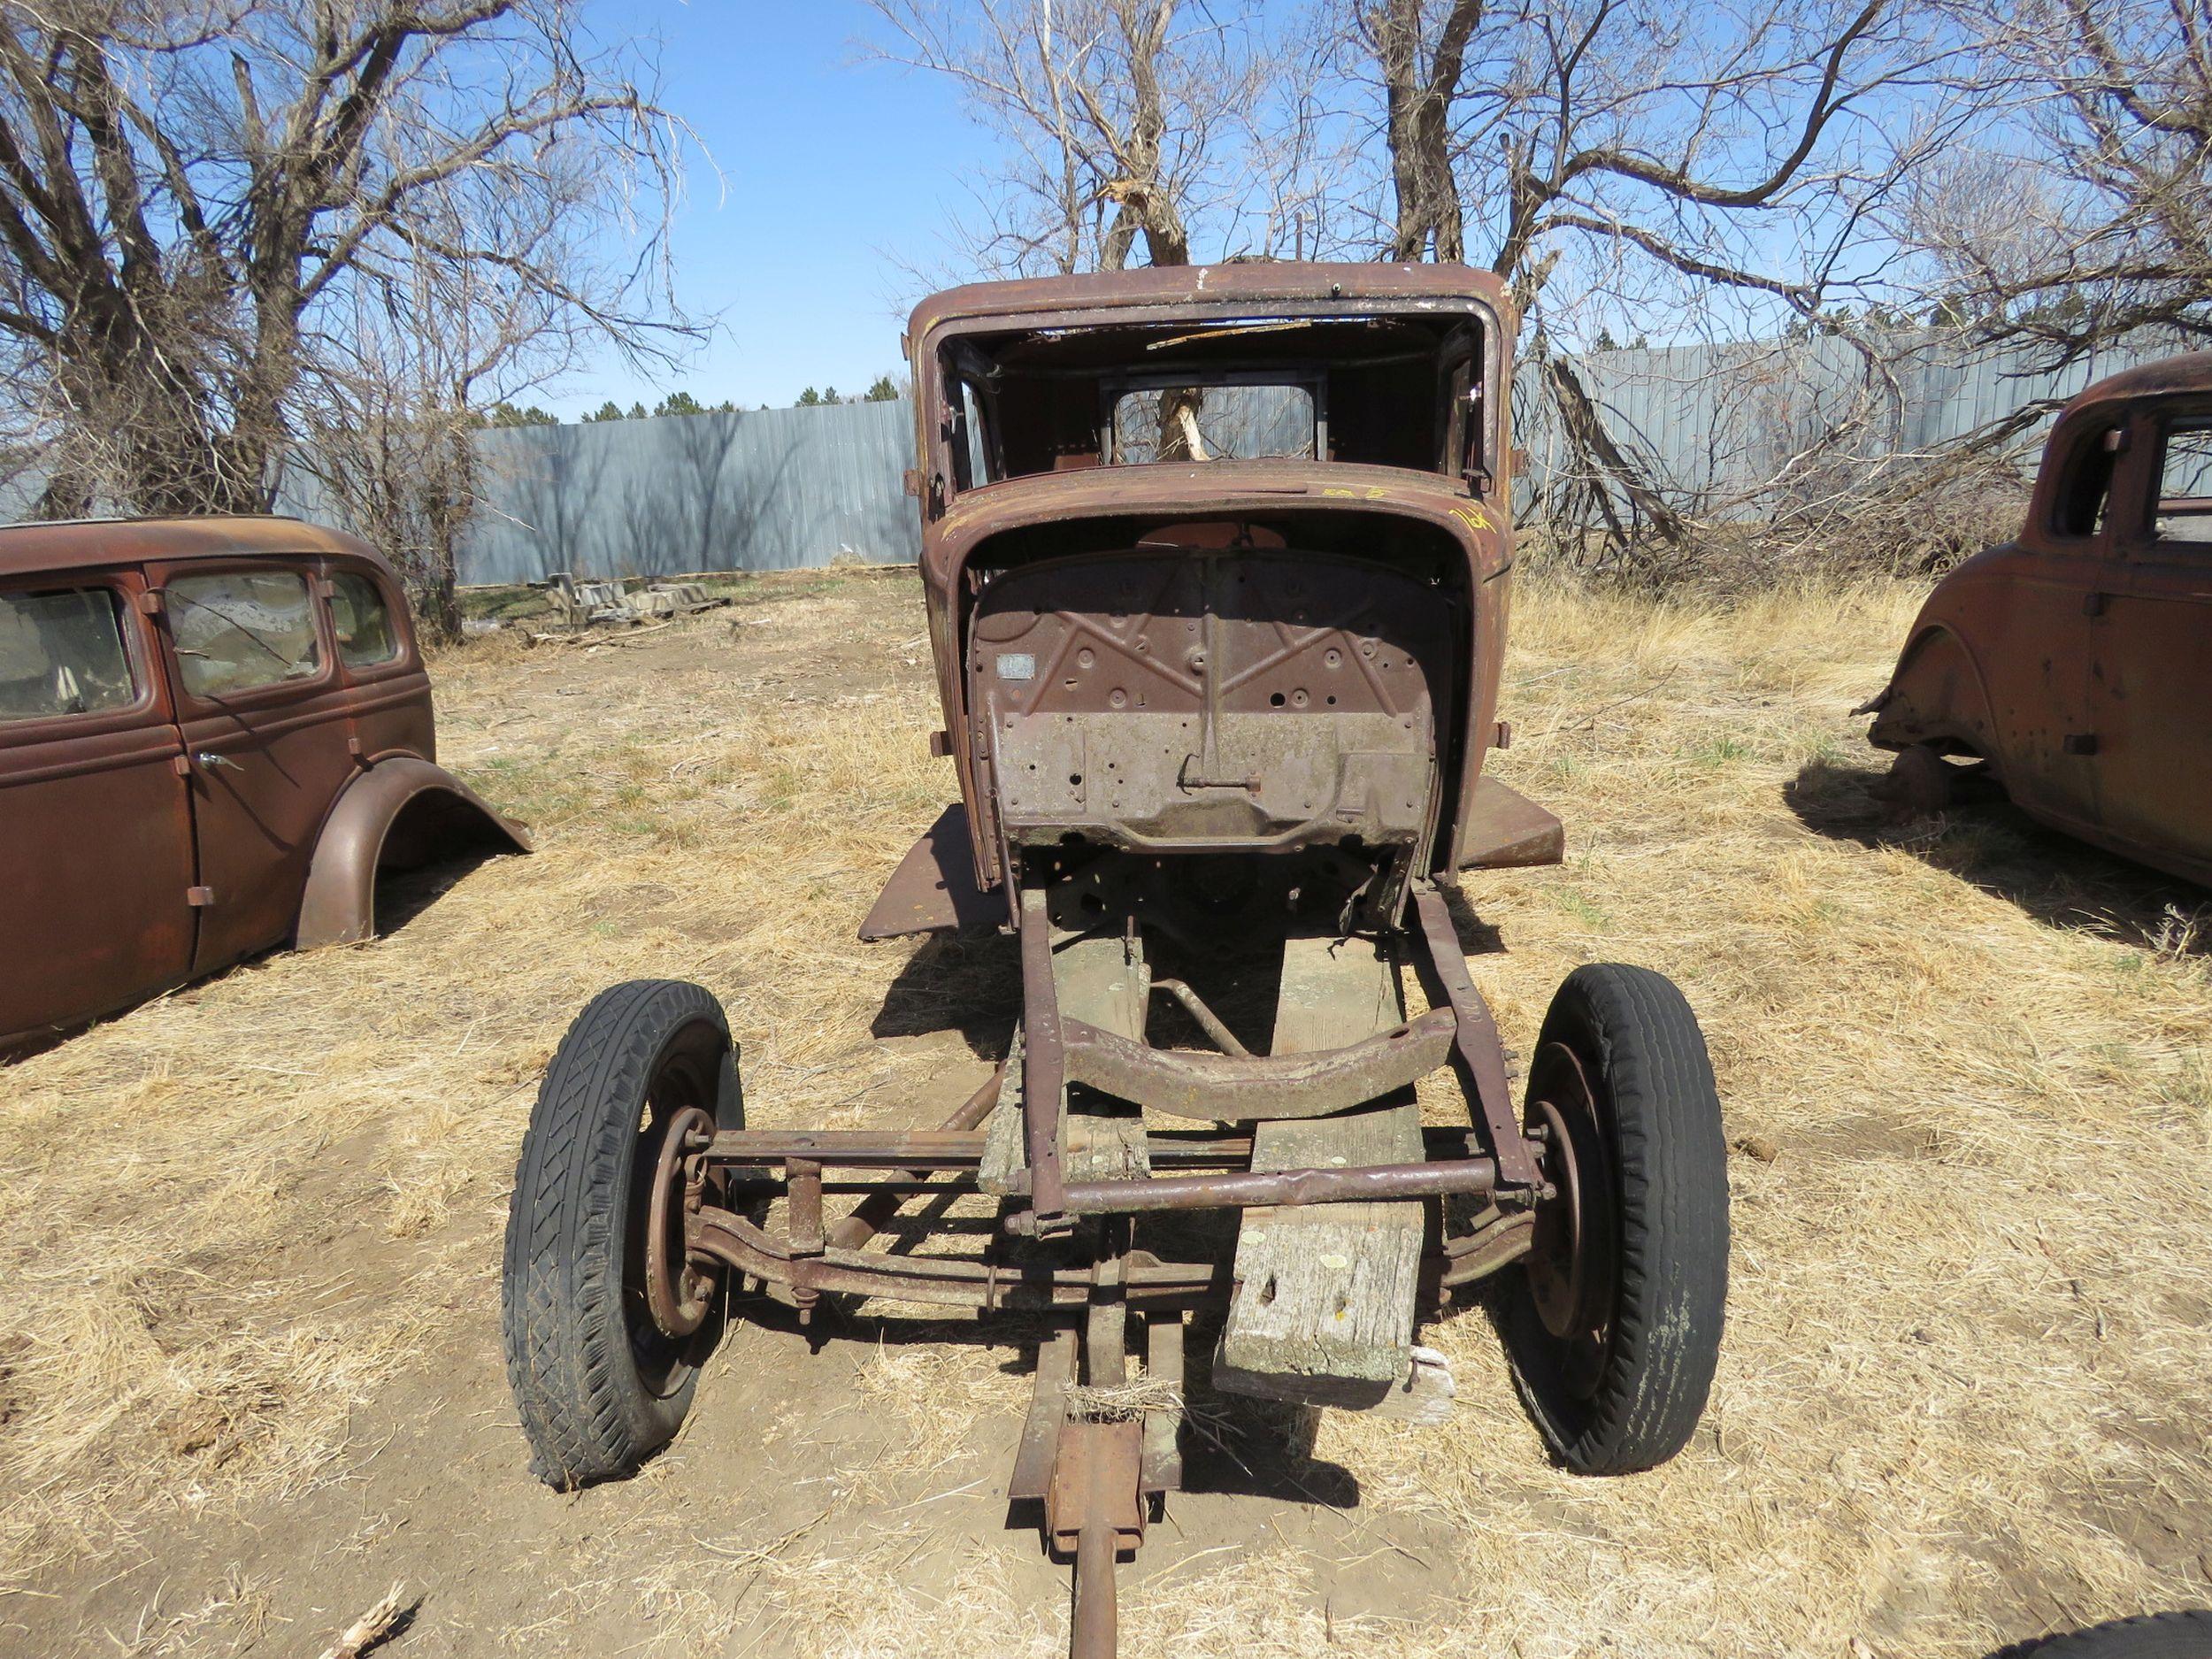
339 905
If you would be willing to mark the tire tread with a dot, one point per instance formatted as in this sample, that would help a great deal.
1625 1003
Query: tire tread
568 1364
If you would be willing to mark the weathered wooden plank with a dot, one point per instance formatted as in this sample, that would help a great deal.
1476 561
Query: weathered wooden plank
1162 1469
1325 1292
1048 1410
1104 981
1003 1154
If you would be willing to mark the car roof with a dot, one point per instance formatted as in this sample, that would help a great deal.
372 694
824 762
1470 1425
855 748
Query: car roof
2188 371
37 549
1202 289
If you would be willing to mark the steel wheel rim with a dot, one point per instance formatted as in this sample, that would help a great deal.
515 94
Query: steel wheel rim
677 1291
1571 1267
681 1092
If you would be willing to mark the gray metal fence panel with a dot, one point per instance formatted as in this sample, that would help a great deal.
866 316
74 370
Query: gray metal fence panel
785 489
760 489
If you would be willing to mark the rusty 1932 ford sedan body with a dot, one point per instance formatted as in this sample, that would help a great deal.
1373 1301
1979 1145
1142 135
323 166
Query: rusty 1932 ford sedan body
2073 666
213 734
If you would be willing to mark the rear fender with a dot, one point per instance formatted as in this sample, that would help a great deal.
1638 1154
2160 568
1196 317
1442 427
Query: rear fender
1937 696
401 812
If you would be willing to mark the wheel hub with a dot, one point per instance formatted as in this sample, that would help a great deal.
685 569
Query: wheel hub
1571 1265
678 1291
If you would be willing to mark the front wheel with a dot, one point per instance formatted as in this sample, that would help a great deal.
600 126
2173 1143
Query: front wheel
605 1324
1613 1325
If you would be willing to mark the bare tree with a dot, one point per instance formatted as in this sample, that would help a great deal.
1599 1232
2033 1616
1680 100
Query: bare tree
214 213
1421 62
2087 216
1127 123
1619 159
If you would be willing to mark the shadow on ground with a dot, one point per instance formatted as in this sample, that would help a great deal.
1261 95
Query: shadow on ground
969 983
2060 881
404 895
2180 1635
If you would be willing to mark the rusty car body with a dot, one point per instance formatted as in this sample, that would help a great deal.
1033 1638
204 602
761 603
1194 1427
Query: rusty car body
1216 564
2071 667
214 732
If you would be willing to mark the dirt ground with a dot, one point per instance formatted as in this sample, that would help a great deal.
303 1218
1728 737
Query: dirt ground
250 1362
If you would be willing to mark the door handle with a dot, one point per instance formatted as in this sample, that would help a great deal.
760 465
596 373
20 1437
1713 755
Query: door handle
210 759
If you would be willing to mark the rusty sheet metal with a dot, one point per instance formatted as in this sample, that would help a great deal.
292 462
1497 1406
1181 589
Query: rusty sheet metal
1230 1088
39 549
933 889
1095 1511
1460 509
1481 1052
1505 830
157 835
2070 660
1168 699
1180 289
405 794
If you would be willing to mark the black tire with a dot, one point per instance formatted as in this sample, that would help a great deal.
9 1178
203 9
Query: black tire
1628 1394
598 1386
2187 1635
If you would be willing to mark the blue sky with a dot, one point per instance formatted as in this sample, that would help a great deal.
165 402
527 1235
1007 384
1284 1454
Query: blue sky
834 170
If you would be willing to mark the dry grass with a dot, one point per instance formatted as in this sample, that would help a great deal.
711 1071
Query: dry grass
1969 1373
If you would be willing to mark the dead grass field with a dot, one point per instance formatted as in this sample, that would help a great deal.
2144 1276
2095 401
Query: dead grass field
250 1370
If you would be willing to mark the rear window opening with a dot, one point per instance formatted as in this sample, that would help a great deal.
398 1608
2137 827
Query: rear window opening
1197 421
2185 482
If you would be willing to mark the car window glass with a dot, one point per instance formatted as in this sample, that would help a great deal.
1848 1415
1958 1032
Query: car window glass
235 630
62 652
1213 423
2185 483
361 620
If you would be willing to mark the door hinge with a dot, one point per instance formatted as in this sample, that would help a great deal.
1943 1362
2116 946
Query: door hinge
152 601
182 764
199 898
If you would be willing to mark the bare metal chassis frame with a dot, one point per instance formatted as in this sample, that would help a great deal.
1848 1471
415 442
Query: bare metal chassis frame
1490 1157
1096 1479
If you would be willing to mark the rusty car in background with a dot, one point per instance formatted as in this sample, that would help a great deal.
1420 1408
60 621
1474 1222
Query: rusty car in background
2070 669
214 734
1216 564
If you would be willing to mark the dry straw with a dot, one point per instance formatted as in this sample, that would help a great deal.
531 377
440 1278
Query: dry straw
1968 1375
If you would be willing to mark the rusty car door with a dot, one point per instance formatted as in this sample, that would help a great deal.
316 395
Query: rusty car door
2153 648
2030 631
95 835
264 719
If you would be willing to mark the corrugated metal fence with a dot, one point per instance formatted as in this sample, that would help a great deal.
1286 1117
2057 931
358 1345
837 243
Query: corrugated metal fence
1717 425
755 490
785 488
